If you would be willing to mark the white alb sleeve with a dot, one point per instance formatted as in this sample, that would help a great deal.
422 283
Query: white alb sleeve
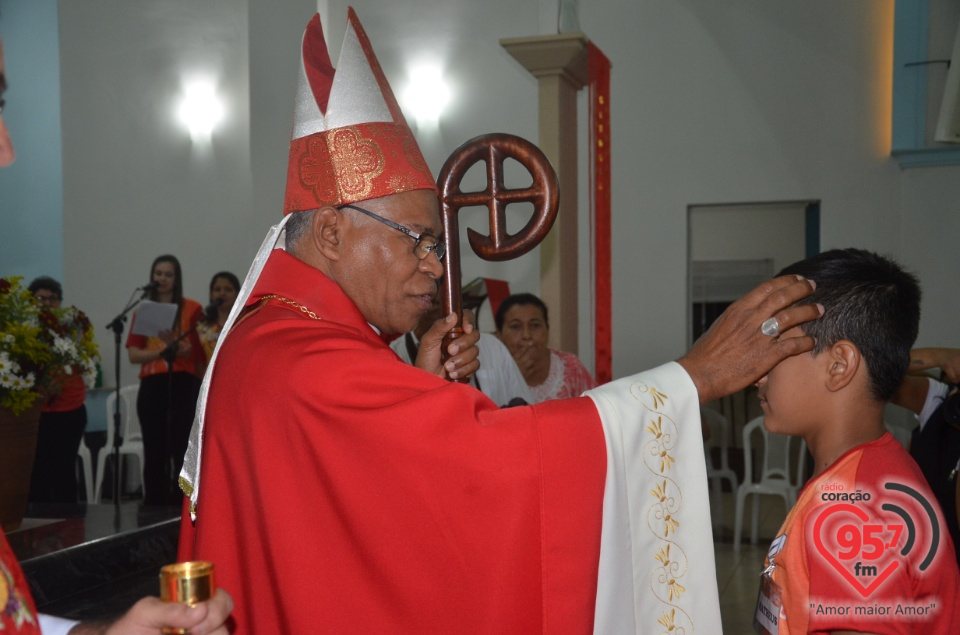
657 571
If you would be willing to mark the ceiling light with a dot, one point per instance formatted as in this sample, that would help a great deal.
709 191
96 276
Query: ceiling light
201 110
426 96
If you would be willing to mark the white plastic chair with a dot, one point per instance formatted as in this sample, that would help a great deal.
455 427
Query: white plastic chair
86 468
776 476
720 435
129 429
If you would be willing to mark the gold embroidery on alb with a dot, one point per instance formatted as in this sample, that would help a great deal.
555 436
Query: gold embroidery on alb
670 564
669 573
666 508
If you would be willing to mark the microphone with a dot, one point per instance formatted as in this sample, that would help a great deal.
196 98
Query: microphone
150 286
210 308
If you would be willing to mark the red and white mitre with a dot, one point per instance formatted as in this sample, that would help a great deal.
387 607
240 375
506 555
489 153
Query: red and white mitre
350 140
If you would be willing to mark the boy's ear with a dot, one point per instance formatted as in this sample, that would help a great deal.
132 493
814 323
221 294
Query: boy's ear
844 361
327 232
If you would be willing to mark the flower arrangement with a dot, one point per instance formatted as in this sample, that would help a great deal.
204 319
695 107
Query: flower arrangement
40 347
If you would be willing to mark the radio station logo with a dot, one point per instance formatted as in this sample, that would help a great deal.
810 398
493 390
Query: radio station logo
867 550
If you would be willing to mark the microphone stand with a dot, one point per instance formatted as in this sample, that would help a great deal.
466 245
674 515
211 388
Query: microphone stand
116 325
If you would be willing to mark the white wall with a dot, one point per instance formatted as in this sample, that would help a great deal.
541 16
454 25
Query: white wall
734 102
775 232
750 100
930 247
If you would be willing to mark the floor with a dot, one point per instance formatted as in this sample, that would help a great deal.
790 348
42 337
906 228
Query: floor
738 575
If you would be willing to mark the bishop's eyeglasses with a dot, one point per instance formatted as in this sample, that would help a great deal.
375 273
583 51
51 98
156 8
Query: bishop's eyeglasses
423 243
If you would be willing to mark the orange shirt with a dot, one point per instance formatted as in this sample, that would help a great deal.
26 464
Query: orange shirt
838 562
190 314
209 333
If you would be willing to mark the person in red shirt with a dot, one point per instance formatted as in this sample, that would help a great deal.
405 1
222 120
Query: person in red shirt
62 421
865 548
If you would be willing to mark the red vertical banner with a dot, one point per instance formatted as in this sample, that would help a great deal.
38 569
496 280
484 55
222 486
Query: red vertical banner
599 68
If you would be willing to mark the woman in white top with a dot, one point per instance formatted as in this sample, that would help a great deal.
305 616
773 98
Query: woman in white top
522 325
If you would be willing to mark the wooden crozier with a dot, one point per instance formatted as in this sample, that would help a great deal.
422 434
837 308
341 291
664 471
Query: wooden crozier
543 194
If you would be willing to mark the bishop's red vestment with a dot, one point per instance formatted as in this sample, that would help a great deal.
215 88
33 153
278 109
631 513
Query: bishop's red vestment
347 491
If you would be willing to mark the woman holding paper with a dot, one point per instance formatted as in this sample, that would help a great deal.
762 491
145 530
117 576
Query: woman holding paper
170 361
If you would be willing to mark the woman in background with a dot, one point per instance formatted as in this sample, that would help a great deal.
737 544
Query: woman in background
168 392
224 287
522 325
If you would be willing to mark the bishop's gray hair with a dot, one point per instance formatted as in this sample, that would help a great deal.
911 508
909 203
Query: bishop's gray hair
296 227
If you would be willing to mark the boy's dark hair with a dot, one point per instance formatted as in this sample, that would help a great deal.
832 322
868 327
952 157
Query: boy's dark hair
868 300
519 299
47 284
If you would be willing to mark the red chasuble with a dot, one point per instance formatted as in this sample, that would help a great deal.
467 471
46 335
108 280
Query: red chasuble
346 491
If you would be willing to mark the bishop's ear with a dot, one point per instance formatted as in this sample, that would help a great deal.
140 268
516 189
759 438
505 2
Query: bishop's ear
326 232
844 362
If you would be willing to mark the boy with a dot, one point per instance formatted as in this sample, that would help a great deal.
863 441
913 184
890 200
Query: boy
864 548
